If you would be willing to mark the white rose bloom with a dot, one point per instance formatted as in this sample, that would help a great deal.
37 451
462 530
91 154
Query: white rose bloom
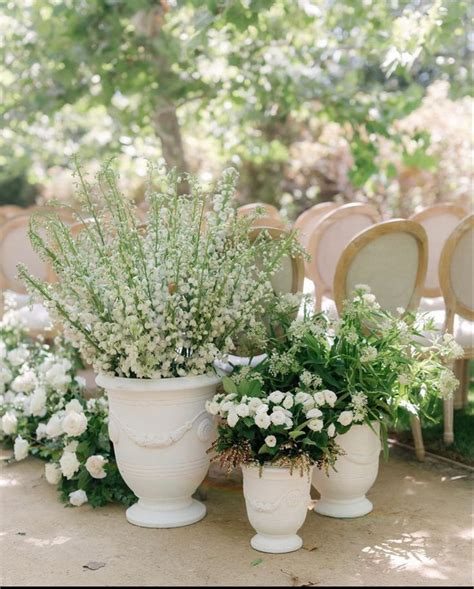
330 397
18 356
288 423
54 427
270 441
5 375
41 431
331 430
95 466
3 350
212 407
71 447
78 498
9 423
74 424
288 402
263 408
74 405
242 410
313 413
345 418
57 375
38 402
262 420
232 418
302 397
319 398
25 383
52 472
316 425
20 448
254 404
276 397
69 464
278 417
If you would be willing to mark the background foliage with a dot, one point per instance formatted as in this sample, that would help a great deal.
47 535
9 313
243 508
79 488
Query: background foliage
310 99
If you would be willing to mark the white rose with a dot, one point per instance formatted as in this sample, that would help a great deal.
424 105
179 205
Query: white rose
254 404
25 383
38 402
288 402
95 466
242 410
345 418
5 374
262 420
69 464
78 498
278 417
41 431
232 419
276 397
331 430
316 425
3 350
18 356
288 423
212 407
20 448
302 397
74 405
330 397
74 424
263 408
270 441
52 473
9 423
369 298
54 427
312 413
319 398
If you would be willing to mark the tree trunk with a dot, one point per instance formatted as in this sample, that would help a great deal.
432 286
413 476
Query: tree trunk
167 128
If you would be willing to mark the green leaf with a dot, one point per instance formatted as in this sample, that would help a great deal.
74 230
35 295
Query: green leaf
255 562
229 385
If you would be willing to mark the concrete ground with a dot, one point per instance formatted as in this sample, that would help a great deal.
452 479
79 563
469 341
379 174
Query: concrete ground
420 533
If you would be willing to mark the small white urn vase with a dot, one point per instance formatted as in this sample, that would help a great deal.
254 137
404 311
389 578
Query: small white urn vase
277 503
161 432
343 489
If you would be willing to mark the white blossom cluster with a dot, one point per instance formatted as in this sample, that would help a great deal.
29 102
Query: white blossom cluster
164 298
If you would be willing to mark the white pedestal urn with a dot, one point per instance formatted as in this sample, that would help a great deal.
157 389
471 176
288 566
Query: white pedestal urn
161 432
343 490
277 504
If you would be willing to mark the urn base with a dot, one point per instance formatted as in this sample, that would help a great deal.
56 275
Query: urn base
276 544
158 515
344 509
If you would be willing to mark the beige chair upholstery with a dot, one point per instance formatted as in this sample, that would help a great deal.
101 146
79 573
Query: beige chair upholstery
438 221
271 218
391 258
328 240
457 286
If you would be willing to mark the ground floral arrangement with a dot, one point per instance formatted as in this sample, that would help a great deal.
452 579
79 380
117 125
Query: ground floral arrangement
44 413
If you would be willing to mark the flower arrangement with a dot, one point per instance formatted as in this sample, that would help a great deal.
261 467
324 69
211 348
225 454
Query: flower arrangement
43 412
159 299
322 375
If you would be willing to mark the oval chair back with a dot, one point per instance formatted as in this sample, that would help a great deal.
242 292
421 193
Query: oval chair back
328 240
391 258
271 217
438 221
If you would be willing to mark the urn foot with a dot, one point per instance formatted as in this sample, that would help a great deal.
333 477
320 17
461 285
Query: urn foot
149 514
276 544
344 509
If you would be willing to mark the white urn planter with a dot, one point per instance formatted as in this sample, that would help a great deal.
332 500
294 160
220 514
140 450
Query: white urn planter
343 489
277 504
161 432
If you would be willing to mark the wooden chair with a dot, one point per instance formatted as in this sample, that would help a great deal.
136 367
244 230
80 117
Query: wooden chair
271 218
457 286
329 238
391 258
438 221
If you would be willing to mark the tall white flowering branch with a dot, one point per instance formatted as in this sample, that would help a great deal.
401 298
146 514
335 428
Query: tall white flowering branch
158 299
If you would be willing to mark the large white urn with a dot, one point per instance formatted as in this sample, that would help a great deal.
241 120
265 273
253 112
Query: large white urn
277 503
343 490
161 433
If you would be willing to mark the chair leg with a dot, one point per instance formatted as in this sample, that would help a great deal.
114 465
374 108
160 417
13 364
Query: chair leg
318 298
465 383
459 369
418 438
448 421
